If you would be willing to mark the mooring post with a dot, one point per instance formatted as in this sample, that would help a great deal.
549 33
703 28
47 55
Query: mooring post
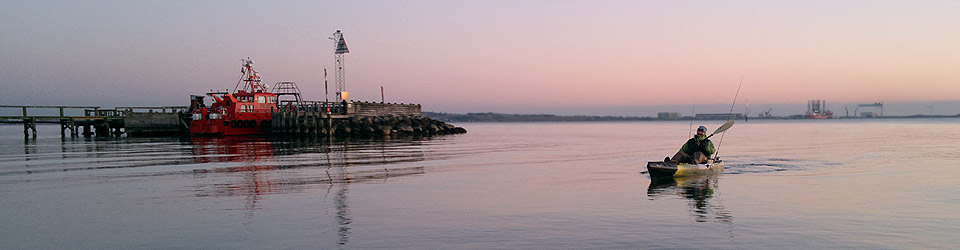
282 126
296 122
329 124
73 128
278 122
317 123
29 125
314 122
102 129
309 124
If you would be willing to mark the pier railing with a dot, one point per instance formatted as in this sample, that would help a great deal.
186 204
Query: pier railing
88 111
156 109
334 108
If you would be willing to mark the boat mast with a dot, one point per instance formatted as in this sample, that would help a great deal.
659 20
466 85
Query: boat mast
250 78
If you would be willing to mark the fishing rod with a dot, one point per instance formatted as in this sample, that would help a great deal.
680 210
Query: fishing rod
693 113
730 116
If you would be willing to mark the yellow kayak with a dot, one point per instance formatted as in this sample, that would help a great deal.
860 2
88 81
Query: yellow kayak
662 169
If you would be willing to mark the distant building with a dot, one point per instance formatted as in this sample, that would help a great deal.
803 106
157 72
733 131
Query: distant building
734 116
868 115
668 115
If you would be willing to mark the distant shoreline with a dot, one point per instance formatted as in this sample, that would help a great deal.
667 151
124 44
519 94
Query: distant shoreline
500 117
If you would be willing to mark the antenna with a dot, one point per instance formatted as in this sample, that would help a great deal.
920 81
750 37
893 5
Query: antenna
340 47
326 92
251 77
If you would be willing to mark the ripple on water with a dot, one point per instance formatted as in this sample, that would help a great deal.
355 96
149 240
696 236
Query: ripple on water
755 165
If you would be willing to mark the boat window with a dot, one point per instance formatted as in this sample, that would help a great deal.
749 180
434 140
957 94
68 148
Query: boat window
243 108
261 99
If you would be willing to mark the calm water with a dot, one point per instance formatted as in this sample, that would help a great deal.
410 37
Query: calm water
871 184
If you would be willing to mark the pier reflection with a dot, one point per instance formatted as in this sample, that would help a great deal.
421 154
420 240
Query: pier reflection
700 193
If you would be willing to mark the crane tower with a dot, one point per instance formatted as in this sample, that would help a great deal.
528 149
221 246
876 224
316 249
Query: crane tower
341 48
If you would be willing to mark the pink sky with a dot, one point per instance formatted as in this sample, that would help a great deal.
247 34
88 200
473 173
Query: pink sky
479 56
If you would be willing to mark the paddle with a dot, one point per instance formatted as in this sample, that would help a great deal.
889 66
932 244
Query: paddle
722 128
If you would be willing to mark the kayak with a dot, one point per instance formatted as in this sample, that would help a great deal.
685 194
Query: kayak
662 169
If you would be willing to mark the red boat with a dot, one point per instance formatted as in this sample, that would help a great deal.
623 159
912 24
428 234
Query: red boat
245 112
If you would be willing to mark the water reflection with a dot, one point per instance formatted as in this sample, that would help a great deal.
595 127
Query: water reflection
264 166
340 162
698 190
343 214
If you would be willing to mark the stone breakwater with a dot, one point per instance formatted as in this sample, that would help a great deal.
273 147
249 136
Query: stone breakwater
392 125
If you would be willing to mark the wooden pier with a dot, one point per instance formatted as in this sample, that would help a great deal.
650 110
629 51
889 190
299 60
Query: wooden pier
300 119
94 121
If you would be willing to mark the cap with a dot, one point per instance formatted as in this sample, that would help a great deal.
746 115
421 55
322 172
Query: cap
702 128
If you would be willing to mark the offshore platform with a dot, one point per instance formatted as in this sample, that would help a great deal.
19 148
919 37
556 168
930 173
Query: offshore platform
817 109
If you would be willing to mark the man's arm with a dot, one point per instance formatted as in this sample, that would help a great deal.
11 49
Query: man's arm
709 148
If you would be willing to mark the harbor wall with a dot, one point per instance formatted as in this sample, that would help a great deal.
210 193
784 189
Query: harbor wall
309 123
141 124
382 109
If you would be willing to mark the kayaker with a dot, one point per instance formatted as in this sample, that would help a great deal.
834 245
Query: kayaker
697 150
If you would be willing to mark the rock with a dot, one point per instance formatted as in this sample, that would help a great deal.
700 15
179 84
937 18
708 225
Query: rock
383 130
432 129
404 128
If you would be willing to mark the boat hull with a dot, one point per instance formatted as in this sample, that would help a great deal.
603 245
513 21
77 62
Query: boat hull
230 127
665 169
